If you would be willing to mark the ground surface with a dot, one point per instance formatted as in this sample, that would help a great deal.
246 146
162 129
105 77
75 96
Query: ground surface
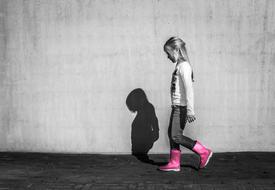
62 171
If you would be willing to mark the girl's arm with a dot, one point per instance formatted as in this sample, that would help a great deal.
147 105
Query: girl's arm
186 72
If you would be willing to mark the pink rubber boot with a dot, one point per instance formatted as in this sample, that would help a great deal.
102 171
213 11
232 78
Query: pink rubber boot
205 153
174 162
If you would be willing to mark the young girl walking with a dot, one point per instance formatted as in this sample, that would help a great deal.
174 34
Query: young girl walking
182 97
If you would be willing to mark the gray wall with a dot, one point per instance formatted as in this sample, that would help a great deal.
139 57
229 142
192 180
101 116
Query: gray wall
68 66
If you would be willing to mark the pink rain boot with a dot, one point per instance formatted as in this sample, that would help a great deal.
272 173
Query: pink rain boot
174 162
205 153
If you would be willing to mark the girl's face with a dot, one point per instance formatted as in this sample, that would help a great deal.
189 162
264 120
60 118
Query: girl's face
172 54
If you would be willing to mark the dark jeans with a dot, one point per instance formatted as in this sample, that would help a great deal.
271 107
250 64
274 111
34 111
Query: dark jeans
177 123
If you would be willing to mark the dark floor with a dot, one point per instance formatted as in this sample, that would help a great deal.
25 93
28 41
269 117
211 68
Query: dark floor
62 171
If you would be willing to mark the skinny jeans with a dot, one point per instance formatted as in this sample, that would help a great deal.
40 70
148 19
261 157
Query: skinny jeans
177 123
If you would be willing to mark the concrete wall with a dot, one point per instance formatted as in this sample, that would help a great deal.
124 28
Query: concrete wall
67 67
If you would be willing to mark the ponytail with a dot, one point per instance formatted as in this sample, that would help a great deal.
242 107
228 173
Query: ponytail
187 59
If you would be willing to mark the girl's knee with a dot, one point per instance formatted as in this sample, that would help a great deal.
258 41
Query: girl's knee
177 138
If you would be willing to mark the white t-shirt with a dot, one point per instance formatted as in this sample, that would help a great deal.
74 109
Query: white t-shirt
182 87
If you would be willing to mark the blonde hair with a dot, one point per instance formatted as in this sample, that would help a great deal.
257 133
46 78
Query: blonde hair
178 44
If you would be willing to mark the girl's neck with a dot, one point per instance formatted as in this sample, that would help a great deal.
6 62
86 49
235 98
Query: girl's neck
180 61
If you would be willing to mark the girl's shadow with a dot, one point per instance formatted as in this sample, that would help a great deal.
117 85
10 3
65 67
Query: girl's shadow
145 128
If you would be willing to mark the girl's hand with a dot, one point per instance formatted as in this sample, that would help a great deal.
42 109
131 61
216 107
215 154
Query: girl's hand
191 118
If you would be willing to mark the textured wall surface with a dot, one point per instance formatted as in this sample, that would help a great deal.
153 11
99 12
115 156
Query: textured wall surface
67 68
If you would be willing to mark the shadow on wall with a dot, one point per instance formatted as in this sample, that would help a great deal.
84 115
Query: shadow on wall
145 128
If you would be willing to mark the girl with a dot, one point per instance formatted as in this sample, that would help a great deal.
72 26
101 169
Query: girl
182 98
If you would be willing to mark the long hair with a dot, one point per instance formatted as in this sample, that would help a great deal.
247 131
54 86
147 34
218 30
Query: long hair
178 44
